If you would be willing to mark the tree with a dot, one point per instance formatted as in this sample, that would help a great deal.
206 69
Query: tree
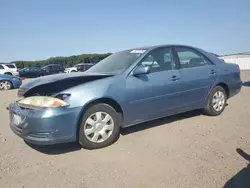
64 61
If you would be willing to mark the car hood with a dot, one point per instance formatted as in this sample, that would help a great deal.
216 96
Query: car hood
51 83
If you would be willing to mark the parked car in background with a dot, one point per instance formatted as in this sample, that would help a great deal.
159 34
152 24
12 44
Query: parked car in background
8 82
126 88
32 72
54 68
71 69
9 68
84 66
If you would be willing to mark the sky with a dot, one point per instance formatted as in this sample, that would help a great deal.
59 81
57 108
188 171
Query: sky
36 30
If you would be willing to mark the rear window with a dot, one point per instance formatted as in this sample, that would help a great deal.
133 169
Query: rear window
10 66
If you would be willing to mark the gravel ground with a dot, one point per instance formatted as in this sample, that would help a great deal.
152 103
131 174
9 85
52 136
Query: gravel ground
187 150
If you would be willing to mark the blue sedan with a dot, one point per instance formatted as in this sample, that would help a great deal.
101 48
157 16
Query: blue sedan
8 82
127 88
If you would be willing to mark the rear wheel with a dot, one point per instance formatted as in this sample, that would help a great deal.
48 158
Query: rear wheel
216 102
5 85
100 127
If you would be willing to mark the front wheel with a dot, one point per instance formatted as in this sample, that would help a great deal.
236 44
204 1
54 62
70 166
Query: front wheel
216 102
100 127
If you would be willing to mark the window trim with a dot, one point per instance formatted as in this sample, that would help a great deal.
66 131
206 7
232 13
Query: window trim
159 48
210 63
12 66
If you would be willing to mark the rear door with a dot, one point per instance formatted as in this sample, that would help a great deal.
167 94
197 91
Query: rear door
197 74
54 69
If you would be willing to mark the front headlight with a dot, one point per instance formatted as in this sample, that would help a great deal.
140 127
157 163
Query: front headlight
41 102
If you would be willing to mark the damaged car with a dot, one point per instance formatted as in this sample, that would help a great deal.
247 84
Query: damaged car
126 88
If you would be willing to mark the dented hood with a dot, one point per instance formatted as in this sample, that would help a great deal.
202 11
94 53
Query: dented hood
58 82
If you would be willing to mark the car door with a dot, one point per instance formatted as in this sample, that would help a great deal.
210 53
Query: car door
27 72
197 74
58 69
54 69
155 94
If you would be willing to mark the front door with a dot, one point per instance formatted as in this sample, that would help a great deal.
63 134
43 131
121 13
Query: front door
155 94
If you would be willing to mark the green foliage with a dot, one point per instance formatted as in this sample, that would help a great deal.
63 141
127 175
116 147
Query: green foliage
64 61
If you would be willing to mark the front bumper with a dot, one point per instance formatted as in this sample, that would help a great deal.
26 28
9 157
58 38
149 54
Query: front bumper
17 83
46 126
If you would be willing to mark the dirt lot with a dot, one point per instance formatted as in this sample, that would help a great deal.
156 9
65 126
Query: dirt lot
188 150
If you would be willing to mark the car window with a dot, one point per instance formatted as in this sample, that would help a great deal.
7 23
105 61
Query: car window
33 68
56 67
159 60
1 67
190 58
11 66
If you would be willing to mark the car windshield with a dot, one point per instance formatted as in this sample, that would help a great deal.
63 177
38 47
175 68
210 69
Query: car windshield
117 62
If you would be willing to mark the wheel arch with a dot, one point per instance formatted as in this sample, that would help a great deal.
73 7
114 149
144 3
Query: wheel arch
225 87
12 84
8 73
111 102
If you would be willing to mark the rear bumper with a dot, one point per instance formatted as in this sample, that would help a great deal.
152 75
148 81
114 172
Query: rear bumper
15 73
44 127
235 89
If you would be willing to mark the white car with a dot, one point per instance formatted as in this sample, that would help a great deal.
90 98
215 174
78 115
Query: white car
9 68
70 69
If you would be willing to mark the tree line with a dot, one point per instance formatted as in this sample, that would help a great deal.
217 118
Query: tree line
64 61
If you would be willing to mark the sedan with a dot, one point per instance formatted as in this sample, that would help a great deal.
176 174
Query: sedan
126 88
8 82
32 72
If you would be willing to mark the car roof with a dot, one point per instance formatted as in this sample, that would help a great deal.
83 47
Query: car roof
51 65
84 64
7 64
160 46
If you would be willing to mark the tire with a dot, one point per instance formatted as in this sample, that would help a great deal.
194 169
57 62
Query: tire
5 85
73 71
210 108
93 139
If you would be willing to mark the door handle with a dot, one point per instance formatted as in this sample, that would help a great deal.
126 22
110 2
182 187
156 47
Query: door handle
212 71
175 78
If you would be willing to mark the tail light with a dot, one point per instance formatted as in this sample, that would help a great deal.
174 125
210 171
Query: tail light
84 67
17 70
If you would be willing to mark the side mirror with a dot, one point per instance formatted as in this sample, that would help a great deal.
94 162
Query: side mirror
141 70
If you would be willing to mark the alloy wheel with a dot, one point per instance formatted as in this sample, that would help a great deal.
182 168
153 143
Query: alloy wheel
5 85
218 101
